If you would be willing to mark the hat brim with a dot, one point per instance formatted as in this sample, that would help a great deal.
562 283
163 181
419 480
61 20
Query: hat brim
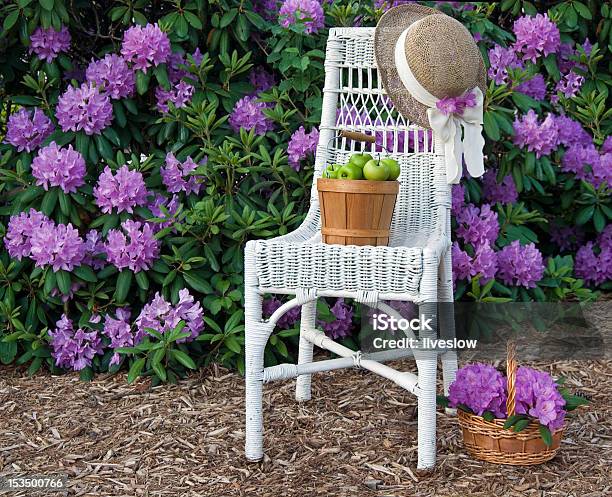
391 25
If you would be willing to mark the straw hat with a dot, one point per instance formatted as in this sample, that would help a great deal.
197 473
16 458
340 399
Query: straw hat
440 51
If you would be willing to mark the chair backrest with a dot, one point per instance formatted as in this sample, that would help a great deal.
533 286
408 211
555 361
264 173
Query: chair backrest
354 99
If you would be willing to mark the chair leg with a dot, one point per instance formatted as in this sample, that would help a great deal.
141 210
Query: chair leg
427 412
447 321
256 337
303 382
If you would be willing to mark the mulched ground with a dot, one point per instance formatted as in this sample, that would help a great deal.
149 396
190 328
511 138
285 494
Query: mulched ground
356 437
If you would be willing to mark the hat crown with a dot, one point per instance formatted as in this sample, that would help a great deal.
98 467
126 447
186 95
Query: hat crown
443 56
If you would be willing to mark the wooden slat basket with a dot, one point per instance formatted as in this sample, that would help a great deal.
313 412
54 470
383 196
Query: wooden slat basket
489 441
356 212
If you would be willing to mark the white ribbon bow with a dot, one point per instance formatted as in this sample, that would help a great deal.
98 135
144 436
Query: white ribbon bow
448 128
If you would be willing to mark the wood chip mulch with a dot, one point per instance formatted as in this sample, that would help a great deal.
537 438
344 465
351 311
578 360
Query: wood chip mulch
356 437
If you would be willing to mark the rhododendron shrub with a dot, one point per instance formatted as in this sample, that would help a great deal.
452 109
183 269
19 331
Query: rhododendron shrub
141 146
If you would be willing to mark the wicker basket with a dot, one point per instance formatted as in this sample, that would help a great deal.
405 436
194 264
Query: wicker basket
489 441
356 212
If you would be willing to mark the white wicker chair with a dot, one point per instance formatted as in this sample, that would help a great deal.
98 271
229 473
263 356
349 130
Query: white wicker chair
415 267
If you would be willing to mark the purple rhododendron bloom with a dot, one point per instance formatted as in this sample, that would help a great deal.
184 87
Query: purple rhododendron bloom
74 349
161 316
308 12
26 130
534 87
537 395
457 198
504 192
477 225
571 132
576 157
502 59
248 114
176 175
341 326
266 8
301 145
163 208
536 36
520 265
119 331
94 250
484 263
570 84
48 43
124 190
288 319
57 166
21 227
180 95
261 79
462 263
113 74
59 246
85 109
133 246
481 388
539 137
145 46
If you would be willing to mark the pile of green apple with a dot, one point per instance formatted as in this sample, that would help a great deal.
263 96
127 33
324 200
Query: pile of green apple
364 166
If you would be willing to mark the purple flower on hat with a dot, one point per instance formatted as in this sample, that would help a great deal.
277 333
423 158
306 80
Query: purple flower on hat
113 74
57 166
48 43
248 114
536 36
504 192
161 316
481 388
288 319
308 12
145 46
177 176
570 84
119 331
342 325
26 130
477 225
180 95
456 105
520 265
84 108
534 87
21 227
124 190
74 349
261 79
133 246
539 137
59 246
301 145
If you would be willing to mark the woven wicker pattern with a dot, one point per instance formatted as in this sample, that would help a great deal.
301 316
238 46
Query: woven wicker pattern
415 267
489 441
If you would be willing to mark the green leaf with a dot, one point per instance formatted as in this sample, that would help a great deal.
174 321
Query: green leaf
520 425
546 435
512 420
142 83
161 74
112 135
491 127
104 147
136 369
160 371
583 10
124 281
8 352
63 281
47 4
184 359
197 282
488 416
142 280
585 214
85 273
193 20
49 201
10 20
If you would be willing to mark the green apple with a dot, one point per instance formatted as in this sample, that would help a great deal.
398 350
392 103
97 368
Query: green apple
360 159
350 171
394 168
376 170
331 172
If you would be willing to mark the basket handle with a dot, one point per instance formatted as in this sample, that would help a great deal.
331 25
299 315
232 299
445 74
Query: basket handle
511 374
357 136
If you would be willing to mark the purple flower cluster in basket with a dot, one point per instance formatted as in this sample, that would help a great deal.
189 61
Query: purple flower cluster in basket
482 388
